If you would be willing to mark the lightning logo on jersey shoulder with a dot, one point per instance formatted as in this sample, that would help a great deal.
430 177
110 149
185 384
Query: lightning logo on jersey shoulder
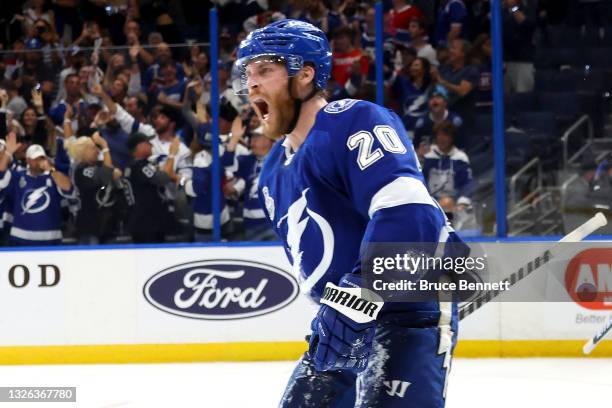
340 106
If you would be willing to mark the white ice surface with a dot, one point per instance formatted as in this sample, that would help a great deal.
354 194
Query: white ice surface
474 383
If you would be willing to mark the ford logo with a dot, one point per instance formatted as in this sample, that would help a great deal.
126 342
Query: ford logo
220 289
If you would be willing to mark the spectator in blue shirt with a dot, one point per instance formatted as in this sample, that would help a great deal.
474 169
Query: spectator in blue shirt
459 78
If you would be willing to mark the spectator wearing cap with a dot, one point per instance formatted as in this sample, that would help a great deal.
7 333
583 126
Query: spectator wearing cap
35 195
451 22
447 170
150 217
458 77
246 181
97 217
412 88
438 113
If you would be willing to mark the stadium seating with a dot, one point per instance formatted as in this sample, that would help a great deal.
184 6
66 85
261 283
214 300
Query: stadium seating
520 102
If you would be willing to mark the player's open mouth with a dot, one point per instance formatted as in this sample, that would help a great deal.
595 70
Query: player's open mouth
262 108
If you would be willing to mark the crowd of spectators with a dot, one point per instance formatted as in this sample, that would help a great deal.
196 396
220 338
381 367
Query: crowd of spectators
105 120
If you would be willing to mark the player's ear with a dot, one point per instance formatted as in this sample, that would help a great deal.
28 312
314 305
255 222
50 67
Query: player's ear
307 74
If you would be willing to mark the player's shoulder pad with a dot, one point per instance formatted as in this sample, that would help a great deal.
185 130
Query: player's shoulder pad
202 159
348 114
340 106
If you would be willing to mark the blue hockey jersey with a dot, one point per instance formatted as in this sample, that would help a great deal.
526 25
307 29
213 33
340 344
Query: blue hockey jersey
448 174
36 207
355 180
200 187
248 168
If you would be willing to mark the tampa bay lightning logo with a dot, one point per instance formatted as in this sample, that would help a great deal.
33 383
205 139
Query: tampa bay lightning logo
105 197
340 106
295 230
35 200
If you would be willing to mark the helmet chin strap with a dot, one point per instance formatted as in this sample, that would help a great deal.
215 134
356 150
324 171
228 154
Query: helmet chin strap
297 104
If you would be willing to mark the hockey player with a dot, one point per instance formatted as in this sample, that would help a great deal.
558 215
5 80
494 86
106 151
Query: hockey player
341 176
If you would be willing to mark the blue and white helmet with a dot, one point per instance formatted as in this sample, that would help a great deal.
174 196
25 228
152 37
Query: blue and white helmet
291 42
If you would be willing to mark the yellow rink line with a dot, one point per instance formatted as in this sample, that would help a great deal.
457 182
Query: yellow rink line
266 351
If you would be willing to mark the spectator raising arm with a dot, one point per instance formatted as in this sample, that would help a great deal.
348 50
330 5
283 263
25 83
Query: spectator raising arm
68 133
135 84
61 180
10 147
168 167
100 141
125 120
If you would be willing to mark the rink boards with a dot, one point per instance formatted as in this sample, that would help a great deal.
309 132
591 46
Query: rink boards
220 303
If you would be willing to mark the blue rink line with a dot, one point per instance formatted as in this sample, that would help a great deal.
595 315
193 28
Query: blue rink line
248 244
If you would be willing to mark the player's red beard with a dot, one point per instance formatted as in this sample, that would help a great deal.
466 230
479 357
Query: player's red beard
278 112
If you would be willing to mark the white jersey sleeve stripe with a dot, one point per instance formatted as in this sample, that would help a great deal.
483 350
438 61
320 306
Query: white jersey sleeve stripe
402 190
4 182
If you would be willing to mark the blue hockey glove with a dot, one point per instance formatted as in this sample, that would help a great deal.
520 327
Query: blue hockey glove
343 330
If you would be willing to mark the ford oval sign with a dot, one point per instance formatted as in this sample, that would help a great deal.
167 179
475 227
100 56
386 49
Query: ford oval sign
221 289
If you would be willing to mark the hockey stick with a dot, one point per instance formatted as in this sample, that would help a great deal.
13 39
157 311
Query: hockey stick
594 341
577 235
